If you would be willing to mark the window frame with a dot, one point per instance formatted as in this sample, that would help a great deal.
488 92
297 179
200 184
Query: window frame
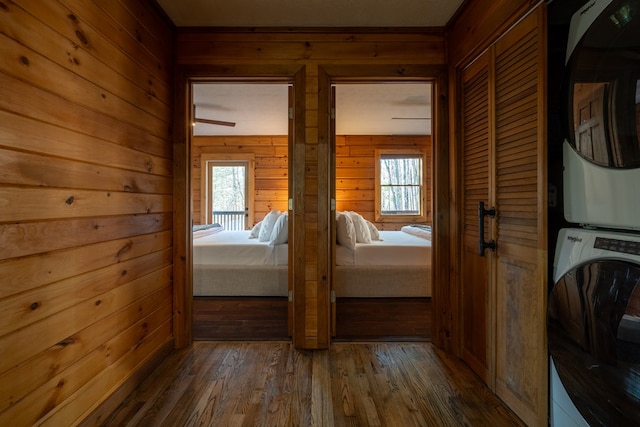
421 217
208 160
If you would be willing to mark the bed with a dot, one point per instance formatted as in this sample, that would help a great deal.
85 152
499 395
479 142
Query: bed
238 263
253 263
212 276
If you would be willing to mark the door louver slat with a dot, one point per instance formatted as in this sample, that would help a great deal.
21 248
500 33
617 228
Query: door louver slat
516 143
476 135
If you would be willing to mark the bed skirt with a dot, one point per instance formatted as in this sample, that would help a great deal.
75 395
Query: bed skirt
373 281
240 280
368 281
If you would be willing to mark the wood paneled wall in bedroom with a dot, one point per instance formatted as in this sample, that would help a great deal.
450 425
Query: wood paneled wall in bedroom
270 174
355 169
355 172
85 205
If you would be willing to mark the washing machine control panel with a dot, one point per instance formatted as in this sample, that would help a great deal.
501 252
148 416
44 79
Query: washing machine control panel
617 245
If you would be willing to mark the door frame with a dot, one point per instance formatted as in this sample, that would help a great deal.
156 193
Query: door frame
182 218
440 174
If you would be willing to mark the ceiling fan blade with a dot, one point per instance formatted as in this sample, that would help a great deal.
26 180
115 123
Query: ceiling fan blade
215 122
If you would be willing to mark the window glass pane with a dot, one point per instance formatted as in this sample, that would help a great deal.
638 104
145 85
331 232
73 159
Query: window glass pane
228 204
400 200
400 171
228 188
400 184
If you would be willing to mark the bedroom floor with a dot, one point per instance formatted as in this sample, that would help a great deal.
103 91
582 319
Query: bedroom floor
272 384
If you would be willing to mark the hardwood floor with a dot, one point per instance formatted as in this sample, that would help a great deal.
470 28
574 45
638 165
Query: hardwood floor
351 384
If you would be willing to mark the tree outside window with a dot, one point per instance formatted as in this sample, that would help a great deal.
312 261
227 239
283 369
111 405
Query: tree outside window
228 194
227 190
400 185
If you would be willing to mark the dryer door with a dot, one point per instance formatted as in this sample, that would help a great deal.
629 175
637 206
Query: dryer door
594 340
602 151
604 85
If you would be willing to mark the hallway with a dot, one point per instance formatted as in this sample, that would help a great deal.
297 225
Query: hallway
351 384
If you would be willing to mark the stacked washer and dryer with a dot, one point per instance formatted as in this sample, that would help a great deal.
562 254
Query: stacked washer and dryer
593 320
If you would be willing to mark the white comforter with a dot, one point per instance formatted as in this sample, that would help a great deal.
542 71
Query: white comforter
394 248
236 248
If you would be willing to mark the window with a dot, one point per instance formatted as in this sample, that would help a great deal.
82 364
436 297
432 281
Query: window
227 192
400 185
228 186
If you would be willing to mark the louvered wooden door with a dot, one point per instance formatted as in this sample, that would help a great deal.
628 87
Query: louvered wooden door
475 171
504 292
521 199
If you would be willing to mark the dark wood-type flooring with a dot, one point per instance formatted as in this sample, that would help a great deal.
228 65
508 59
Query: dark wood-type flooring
265 318
351 384
383 319
240 318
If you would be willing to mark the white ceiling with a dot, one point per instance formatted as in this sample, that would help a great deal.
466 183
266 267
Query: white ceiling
361 109
391 109
310 13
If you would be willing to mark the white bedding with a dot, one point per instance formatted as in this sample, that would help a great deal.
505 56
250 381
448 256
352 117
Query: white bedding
394 248
236 248
418 230
229 263
205 230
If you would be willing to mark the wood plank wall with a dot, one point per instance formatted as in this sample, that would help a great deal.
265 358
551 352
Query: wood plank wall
231 52
85 203
479 24
270 175
355 157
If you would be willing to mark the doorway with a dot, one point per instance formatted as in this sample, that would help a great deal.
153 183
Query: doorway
383 165
240 187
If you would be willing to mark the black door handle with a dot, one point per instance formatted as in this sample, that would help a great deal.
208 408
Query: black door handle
482 244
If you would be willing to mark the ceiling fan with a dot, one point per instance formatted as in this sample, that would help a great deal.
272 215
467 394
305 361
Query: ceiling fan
197 119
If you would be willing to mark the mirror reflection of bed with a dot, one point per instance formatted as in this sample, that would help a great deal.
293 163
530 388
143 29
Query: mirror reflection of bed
382 274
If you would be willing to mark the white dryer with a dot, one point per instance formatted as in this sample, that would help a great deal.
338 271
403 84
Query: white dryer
593 326
601 152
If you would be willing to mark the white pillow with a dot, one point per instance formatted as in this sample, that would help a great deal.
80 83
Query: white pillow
280 233
363 235
255 231
267 225
345 231
375 234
